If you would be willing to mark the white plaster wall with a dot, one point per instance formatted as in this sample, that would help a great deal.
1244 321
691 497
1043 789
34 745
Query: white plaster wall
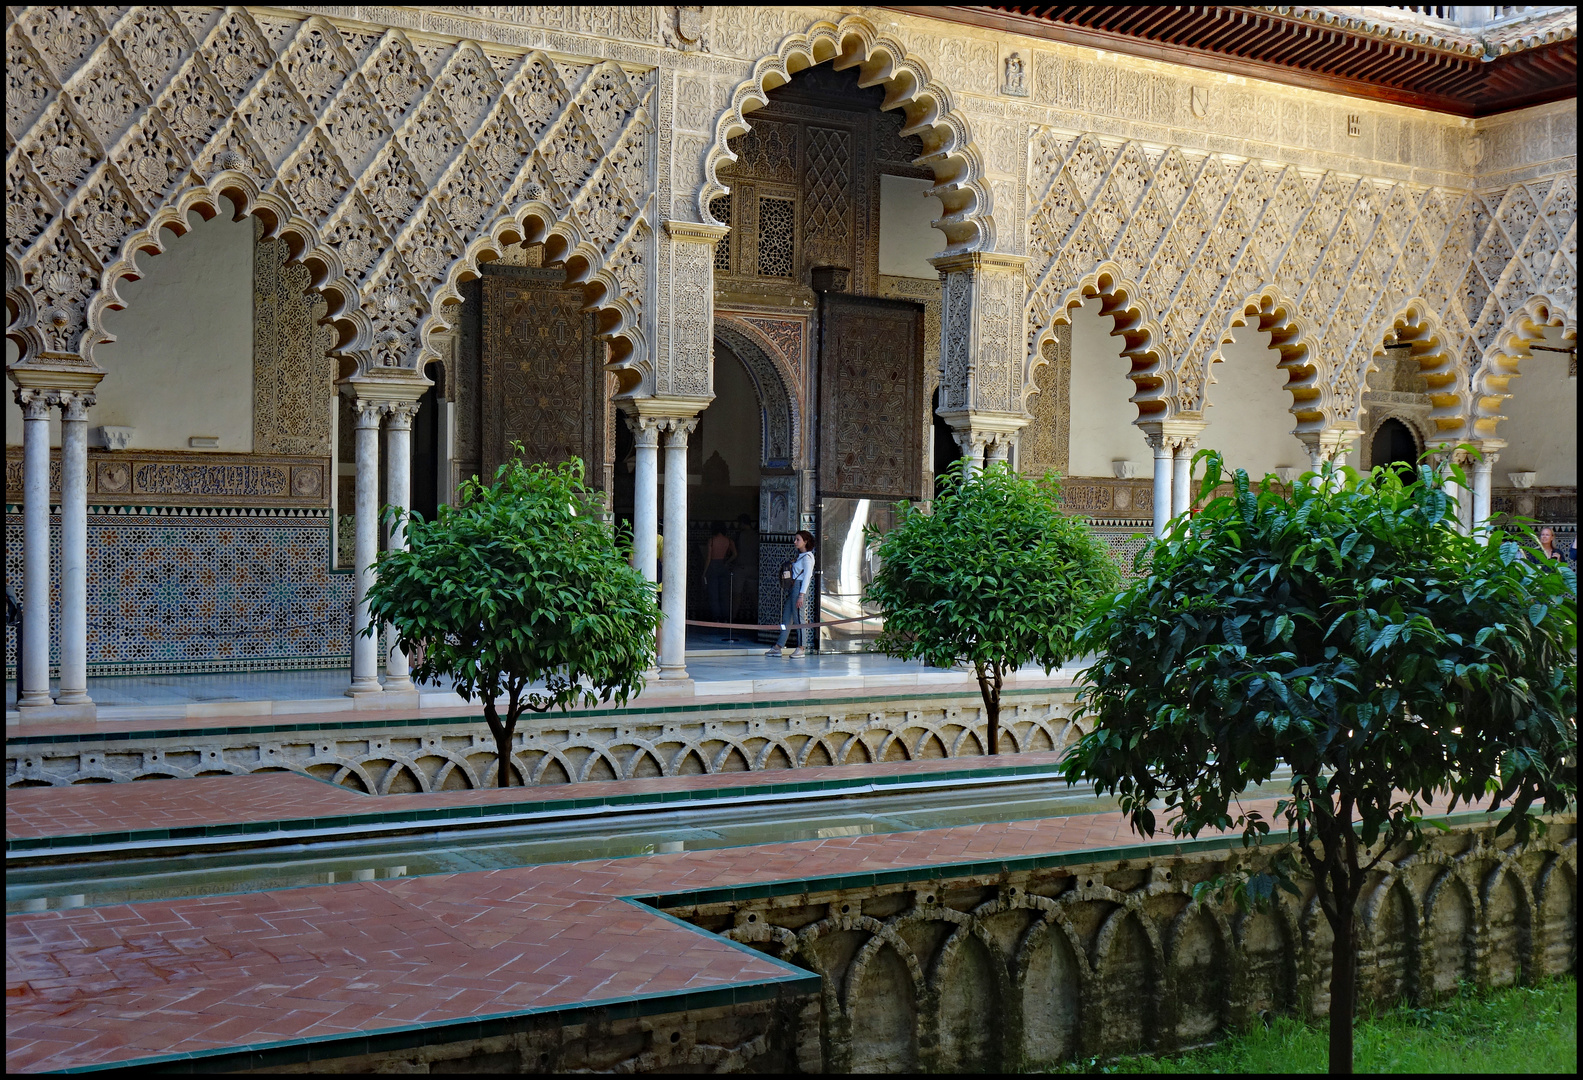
1249 415
1102 429
182 361
1540 428
906 236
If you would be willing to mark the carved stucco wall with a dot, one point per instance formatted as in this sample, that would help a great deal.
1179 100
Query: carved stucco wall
1462 231
390 162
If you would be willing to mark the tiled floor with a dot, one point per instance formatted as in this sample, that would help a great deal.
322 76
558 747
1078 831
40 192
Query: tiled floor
94 809
98 985
118 983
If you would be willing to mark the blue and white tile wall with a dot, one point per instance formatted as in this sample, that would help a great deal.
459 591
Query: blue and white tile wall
173 591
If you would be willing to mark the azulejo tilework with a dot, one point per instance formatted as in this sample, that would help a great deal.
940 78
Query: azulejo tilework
203 591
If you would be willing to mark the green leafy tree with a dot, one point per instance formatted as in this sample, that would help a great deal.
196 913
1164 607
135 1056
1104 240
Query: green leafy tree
521 592
995 576
1347 629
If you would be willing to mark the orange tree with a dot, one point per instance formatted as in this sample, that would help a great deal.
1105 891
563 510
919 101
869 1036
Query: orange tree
520 592
994 576
1346 629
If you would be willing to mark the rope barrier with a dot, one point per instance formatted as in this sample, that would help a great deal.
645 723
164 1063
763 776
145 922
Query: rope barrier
782 626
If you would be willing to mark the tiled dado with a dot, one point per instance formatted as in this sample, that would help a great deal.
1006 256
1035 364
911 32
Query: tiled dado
200 589
172 478
402 756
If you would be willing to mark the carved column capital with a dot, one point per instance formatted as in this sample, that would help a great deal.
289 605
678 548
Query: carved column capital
74 404
677 429
369 413
35 403
400 414
645 429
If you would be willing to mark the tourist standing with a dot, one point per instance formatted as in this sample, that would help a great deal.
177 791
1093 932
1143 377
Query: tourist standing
722 553
796 576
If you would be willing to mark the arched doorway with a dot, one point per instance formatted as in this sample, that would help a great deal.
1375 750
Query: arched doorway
826 269
1394 446
742 481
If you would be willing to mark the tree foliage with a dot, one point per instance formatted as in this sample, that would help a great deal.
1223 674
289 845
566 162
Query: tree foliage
1347 629
994 576
523 592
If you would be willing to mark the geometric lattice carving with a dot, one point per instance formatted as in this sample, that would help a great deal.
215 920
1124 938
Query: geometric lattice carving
777 237
540 377
293 376
391 161
1043 444
1196 236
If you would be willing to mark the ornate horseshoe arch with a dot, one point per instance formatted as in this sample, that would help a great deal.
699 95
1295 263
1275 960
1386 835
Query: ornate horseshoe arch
1491 385
781 428
376 158
949 148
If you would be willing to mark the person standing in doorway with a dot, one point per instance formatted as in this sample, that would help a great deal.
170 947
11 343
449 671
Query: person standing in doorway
796 576
717 573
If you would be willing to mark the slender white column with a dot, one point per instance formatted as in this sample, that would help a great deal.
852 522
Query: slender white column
998 449
646 496
1162 482
1316 461
673 631
1481 492
398 493
973 448
74 549
365 650
1182 476
34 684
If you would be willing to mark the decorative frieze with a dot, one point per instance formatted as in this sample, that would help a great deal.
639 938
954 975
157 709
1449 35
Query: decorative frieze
173 478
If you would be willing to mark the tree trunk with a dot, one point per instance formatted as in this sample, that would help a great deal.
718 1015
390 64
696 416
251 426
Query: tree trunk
503 758
991 694
1343 987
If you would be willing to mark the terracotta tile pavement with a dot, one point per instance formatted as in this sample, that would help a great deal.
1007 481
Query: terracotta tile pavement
90 986
90 809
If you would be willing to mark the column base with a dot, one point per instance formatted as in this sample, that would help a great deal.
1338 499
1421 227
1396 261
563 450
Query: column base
35 699
73 697
359 687
24 715
398 686
670 673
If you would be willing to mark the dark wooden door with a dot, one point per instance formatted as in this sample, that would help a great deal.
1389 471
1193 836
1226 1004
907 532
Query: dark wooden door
871 408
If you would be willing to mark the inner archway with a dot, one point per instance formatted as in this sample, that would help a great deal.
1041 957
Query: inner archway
724 464
1394 446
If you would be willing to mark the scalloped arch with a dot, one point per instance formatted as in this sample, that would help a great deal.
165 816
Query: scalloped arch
1500 365
1135 324
1290 334
949 148
1415 324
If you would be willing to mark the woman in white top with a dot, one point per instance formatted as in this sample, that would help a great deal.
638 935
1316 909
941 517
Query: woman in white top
792 599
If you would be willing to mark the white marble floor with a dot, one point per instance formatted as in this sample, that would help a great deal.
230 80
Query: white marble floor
712 675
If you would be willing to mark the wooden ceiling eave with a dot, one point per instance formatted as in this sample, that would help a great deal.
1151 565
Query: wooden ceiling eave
1265 45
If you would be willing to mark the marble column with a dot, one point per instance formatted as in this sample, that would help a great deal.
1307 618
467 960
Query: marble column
1481 492
1182 475
1162 446
365 650
673 631
646 495
34 681
998 449
74 549
398 493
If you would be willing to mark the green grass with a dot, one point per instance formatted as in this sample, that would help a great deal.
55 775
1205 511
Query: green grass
1520 1030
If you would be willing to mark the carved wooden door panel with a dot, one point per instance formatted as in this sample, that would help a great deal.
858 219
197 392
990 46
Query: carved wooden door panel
871 398
541 381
